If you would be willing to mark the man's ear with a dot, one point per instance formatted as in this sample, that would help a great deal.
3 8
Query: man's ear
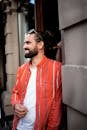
41 45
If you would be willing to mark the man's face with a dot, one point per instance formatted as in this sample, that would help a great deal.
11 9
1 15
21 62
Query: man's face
30 46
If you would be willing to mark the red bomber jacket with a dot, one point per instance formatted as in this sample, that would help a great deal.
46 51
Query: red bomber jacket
48 93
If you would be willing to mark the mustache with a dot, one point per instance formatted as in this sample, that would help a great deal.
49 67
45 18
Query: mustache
26 49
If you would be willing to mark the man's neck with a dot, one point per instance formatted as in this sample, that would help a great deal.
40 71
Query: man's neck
36 60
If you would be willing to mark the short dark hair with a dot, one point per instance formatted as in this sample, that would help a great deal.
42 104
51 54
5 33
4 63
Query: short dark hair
47 37
38 34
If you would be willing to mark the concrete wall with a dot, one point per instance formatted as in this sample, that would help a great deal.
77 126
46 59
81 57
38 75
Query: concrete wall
12 58
1 70
73 23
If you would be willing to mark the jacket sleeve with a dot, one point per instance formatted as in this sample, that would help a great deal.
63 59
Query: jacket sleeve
15 98
54 118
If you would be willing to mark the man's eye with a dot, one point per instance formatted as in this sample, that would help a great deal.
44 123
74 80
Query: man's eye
27 42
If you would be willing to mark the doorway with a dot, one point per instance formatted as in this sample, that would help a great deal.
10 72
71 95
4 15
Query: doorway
2 50
51 23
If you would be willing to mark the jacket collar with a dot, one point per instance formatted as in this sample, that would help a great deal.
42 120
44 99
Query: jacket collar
44 60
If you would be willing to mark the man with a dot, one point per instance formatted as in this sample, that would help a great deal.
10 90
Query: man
36 96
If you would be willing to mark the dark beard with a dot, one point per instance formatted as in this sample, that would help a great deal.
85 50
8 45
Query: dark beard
31 53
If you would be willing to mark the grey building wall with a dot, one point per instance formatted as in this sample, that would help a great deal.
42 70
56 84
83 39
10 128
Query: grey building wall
12 57
73 23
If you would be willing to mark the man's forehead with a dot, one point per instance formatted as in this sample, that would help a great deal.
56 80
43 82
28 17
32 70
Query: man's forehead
28 36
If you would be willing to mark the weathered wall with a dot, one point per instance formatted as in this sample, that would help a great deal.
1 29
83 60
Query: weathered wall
73 23
12 57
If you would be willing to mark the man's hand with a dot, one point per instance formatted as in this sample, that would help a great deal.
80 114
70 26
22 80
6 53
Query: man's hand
20 110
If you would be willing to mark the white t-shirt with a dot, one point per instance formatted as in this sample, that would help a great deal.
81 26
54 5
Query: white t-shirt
27 122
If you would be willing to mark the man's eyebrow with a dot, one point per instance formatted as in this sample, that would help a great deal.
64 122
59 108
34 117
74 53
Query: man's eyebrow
26 41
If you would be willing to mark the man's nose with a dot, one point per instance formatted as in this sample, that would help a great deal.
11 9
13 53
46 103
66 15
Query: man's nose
24 45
